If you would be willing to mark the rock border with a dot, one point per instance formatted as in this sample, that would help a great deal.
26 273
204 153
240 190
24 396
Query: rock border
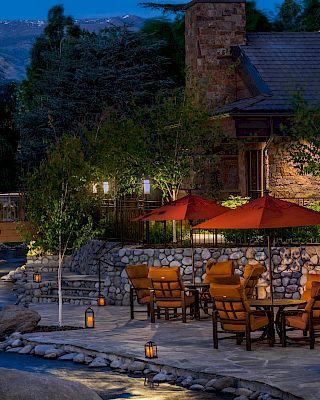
241 389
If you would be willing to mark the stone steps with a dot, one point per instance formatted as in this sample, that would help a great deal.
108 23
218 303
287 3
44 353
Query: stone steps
65 299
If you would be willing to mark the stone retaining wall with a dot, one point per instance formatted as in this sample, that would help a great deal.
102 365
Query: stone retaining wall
291 265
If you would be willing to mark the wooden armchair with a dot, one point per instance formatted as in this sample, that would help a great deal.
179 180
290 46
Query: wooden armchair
306 320
169 293
140 287
232 310
251 275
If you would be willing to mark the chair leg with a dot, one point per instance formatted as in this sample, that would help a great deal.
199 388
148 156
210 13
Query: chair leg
158 313
131 303
148 309
311 333
215 330
283 332
271 333
183 307
248 334
166 314
175 312
239 339
152 311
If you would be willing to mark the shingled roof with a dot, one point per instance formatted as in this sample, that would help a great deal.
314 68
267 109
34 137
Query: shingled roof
280 65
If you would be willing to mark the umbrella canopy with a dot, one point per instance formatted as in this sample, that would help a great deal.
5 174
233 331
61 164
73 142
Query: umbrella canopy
190 207
265 212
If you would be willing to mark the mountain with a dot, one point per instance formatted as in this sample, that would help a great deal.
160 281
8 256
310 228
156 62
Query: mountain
17 38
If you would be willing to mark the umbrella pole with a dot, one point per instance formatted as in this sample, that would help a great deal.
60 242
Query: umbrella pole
192 255
270 268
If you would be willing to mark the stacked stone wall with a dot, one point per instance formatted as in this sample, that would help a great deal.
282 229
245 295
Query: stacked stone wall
284 179
290 265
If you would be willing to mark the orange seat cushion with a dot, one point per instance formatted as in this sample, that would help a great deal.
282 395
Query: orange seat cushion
257 322
170 303
221 269
138 276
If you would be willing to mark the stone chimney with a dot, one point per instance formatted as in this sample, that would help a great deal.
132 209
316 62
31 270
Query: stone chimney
212 27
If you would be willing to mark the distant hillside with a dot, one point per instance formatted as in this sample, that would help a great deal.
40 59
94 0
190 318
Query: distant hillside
17 38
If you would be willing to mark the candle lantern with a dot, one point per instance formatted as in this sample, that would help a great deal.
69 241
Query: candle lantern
101 300
150 350
37 277
89 318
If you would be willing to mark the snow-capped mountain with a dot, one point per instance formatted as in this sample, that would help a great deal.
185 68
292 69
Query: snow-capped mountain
18 36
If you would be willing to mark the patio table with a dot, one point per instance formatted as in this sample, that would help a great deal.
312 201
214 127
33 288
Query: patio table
203 295
280 304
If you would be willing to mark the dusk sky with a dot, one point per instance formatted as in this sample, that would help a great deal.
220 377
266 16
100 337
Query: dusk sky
37 9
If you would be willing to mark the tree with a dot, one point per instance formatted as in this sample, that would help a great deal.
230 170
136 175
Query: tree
170 142
76 78
257 20
8 137
58 203
288 17
304 138
171 33
310 18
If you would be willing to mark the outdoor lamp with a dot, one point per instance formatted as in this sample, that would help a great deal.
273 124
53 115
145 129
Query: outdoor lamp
105 187
94 188
146 186
37 277
101 300
89 318
150 350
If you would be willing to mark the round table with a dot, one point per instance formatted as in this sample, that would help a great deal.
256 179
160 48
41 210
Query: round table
281 304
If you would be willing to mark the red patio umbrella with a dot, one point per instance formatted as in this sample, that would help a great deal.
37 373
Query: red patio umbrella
263 213
188 208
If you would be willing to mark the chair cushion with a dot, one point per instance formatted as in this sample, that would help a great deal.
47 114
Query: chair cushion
164 274
223 269
144 300
257 322
170 303
296 321
137 271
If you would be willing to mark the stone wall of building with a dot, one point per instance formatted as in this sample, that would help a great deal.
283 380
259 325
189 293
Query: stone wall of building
212 27
284 179
291 265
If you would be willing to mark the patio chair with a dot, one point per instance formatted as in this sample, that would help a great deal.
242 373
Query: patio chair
233 311
306 294
140 287
306 320
251 276
169 293
220 269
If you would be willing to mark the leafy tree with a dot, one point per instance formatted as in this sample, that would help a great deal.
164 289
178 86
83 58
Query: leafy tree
76 78
288 16
171 33
58 203
304 138
310 18
170 142
8 137
257 20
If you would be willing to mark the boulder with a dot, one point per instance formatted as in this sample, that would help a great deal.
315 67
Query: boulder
14 318
16 384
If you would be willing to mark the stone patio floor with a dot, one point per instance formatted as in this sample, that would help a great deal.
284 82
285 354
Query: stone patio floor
294 369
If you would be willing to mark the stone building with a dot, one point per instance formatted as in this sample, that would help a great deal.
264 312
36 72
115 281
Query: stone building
249 80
